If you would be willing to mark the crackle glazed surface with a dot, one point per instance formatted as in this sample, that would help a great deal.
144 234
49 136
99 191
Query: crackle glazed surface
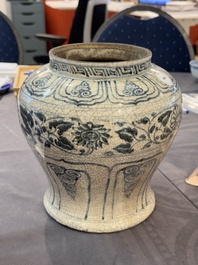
99 118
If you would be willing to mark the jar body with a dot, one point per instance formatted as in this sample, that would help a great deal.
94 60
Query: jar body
100 132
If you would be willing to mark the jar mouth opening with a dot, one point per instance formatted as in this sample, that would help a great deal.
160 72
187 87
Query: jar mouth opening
100 53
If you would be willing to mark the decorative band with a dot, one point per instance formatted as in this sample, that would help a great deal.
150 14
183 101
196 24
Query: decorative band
100 71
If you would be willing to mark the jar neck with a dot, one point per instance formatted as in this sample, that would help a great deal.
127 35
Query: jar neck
98 71
100 60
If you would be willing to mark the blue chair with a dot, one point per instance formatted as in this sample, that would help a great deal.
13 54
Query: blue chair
157 31
10 44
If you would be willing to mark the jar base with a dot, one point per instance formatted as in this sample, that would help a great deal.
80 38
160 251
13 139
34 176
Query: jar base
100 226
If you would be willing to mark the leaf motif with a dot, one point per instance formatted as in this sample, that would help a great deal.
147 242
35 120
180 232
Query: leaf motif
144 120
151 130
38 132
64 143
124 148
47 144
40 116
127 134
27 117
64 127
142 137
60 126
167 130
164 118
55 123
27 120
40 140
104 140
44 129
164 136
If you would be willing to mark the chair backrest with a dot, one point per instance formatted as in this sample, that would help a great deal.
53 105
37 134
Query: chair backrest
89 16
96 15
10 43
156 30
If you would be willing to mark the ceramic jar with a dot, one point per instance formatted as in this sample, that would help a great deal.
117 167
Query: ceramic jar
99 118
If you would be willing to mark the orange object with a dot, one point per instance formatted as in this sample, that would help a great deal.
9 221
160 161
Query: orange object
58 22
193 34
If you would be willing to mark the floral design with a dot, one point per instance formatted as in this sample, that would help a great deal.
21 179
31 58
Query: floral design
82 91
48 132
39 86
74 136
68 178
131 89
131 178
91 136
148 131
133 173
175 118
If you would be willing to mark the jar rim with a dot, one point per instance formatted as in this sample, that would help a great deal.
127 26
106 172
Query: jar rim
100 59
112 53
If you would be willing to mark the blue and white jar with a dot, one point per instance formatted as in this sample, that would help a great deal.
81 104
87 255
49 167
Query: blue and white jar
99 118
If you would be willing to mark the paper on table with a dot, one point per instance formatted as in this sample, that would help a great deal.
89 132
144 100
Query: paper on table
190 102
8 66
8 69
5 80
180 6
